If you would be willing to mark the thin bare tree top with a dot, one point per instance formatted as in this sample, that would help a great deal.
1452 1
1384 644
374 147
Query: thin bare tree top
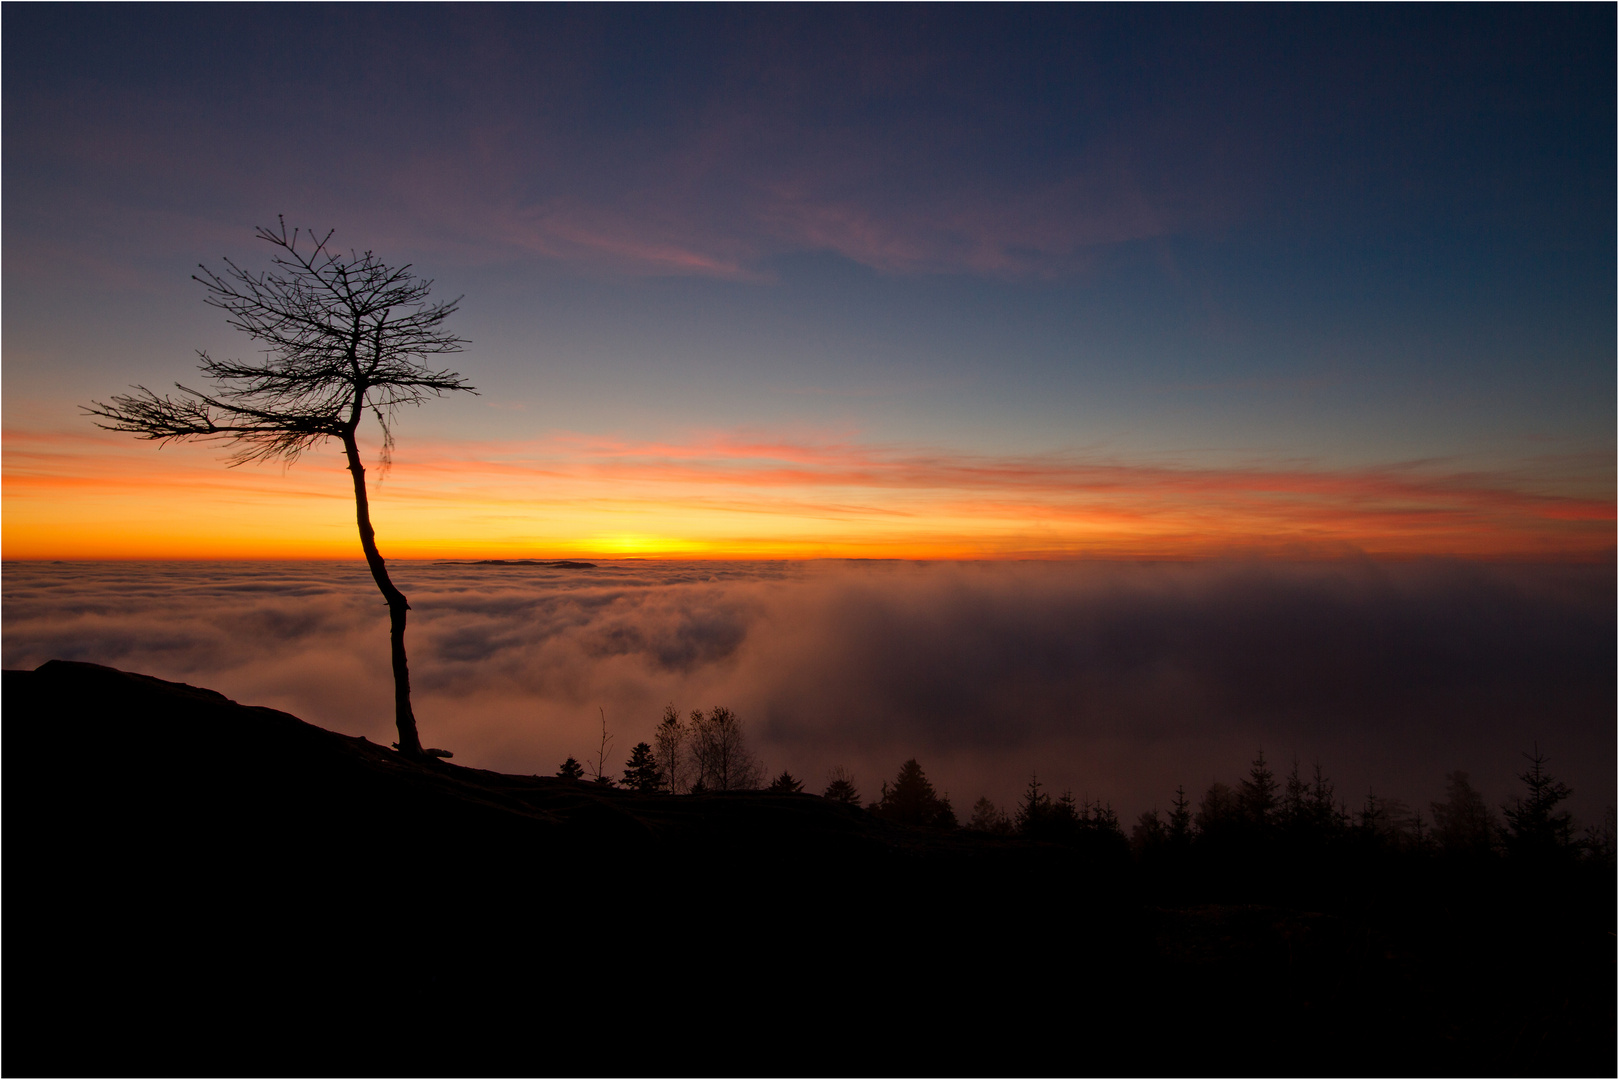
341 334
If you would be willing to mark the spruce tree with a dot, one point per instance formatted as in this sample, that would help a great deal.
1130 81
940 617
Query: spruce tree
1180 818
913 801
641 772
571 770
1295 800
1257 793
1535 827
1034 810
1326 819
841 788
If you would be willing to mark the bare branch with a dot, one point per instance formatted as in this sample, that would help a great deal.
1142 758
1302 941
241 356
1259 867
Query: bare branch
341 334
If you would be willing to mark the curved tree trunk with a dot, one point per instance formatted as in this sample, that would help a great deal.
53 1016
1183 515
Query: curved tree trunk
405 720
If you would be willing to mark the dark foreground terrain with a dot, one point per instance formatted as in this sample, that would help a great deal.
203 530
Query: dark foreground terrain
196 886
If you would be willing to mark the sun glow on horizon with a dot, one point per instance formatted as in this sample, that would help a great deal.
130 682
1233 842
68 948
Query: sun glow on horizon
725 497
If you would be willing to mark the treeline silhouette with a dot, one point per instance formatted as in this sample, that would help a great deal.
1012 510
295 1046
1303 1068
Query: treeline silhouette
1230 835
1453 937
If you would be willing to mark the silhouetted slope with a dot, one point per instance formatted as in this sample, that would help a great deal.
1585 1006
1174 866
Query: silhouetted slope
197 886
183 767
209 873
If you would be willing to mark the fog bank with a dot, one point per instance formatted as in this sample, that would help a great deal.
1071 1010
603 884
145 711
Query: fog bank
1116 680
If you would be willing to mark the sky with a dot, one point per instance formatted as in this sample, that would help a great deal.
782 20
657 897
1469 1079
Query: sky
1195 380
1045 282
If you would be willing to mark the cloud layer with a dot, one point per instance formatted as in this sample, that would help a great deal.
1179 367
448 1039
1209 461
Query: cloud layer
1118 680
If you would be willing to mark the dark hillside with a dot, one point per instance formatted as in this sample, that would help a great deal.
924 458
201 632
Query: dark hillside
197 886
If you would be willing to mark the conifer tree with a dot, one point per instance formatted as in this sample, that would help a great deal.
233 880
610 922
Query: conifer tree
641 772
1325 817
1536 828
1295 799
1257 793
1180 818
913 801
785 784
1101 817
841 787
1034 811
571 770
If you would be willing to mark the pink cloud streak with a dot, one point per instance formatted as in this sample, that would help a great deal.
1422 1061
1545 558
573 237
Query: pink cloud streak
924 498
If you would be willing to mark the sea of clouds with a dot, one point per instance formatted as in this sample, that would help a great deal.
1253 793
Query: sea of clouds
1117 680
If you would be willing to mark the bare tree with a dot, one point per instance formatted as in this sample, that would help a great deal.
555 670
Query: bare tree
341 335
600 774
987 817
671 749
720 756
1463 823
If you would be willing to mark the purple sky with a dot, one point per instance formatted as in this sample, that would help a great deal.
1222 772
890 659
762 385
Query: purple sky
1325 235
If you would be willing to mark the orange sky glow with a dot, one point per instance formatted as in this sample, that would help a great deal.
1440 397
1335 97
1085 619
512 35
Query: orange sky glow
731 495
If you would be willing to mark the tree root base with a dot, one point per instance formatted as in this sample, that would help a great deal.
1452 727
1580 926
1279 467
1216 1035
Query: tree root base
429 752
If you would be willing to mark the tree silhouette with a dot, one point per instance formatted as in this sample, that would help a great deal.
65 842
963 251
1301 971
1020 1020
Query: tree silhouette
1149 833
1535 827
987 817
841 788
641 772
341 335
1066 816
1463 824
1034 811
1293 810
1219 814
1257 793
599 773
1597 842
719 754
571 770
1326 818
785 784
913 801
1180 818
671 748
1389 821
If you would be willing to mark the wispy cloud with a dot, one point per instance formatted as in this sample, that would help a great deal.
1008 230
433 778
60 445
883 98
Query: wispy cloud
741 492
771 155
